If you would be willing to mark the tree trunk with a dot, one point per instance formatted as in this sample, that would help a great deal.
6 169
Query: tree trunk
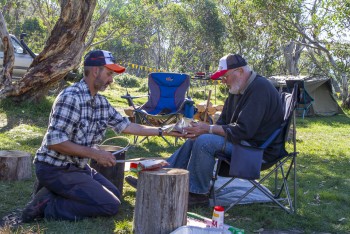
161 201
15 165
346 103
292 53
9 57
345 95
62 53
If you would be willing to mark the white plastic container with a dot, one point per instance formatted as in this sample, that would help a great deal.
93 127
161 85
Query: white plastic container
218 217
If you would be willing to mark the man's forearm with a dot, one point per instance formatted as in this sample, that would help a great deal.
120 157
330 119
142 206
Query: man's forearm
72 149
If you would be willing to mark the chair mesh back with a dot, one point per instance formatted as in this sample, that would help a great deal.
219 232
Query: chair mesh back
167 92
289 102
303 96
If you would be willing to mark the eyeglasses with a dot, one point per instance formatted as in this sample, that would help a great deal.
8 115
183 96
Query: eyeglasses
229 72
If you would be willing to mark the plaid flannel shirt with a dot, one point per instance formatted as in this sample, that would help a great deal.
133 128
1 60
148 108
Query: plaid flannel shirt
78 117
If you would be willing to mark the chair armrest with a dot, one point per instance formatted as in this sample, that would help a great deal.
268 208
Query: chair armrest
132 97
129 98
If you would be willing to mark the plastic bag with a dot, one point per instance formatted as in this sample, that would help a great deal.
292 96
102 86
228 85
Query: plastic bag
179 126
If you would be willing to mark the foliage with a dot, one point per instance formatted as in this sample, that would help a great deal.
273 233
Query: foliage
143 88
128 81
223 89
36 34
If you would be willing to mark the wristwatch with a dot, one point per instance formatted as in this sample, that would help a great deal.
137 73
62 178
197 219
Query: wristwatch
211 129
160 132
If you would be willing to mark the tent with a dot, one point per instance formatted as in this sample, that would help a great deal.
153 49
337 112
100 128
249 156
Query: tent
319 88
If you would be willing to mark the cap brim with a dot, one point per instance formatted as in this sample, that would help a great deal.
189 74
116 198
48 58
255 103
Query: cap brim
218 74
115 67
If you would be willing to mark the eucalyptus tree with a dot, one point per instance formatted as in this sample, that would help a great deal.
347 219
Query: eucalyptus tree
132 27
169 35
70 37
320 28
258 37
194 34
62 52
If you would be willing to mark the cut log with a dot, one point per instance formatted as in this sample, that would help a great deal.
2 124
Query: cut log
161 201
202 106
211 110
15 165
216 116
218 107
114 174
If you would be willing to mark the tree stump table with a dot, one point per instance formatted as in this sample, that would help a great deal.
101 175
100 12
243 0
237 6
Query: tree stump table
161 201
15 165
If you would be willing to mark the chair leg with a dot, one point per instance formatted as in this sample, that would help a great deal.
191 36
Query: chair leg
176 140
295 184
284 187
257 185
166 141
215 177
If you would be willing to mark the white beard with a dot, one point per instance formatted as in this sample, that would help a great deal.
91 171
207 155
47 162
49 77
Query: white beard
236 85
234 89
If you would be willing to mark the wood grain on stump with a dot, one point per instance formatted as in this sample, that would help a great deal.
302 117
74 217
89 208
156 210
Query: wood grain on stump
161 201
15 165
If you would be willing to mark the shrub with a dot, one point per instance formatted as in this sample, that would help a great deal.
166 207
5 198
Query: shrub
199 94
143 88
127 81
223 89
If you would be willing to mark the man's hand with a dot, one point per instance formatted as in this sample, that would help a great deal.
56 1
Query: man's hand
105 158
174 133
196 129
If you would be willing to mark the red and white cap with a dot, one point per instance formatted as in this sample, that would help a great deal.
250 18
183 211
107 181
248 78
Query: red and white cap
105 58
228 62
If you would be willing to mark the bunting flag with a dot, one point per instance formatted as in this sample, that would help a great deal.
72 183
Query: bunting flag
140 67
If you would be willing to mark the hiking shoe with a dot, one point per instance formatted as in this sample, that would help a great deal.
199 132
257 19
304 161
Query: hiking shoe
197 199
35 208
132 181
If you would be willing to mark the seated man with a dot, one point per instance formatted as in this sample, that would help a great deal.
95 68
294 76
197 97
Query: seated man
72 190
253 111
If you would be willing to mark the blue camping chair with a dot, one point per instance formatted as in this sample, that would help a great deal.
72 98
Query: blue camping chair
304 98
167 102
282 168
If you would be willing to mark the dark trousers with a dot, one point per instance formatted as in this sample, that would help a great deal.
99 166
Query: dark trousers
77 193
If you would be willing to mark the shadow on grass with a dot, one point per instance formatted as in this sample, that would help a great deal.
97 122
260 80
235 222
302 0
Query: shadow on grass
36 114
332 121
151 149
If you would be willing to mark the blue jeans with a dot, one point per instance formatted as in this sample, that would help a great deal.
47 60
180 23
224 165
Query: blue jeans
197 156
76 192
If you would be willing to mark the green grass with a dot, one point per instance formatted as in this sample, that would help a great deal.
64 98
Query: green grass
323 175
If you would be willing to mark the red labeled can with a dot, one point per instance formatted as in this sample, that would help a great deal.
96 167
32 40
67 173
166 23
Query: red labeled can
218 217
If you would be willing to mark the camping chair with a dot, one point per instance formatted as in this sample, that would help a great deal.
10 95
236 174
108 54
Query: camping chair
304 98
167 102
282 168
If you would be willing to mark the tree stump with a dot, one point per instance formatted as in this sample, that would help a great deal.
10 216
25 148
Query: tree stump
15 165
161 201
114 174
